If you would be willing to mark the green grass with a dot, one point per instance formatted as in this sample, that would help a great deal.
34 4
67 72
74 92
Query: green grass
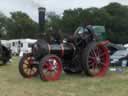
12 84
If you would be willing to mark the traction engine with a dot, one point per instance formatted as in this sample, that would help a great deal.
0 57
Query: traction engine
78 54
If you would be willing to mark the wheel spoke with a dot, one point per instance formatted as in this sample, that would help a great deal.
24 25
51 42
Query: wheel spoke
26 62
29 72
28 58
34 69
102 54
32 72
44 71
90 62
52 74
25 66
25 70
91 57
94 52
91 65
98 51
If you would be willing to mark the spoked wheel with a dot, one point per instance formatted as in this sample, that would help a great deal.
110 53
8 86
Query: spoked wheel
50 68
26 67
95 60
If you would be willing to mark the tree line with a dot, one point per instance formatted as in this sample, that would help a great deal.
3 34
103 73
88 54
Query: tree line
113 16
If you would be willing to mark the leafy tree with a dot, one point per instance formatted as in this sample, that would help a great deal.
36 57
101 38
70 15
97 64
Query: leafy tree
118 23
21 26
53 21
3 25
71 19
113 16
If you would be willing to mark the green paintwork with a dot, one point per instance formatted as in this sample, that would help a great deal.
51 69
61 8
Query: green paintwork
100 32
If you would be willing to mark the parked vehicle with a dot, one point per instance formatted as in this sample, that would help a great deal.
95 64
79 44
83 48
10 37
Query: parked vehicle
115 47
5 54
119 58
126 46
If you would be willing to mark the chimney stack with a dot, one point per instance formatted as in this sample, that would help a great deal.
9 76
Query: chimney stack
41 19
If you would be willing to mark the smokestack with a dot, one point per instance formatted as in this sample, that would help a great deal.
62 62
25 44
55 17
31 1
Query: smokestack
41 19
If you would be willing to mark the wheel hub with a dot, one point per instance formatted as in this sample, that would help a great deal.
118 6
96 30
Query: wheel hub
51 69
51 66
98 60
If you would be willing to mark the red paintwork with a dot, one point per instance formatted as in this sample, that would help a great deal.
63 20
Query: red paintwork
48 66
99 60
104 42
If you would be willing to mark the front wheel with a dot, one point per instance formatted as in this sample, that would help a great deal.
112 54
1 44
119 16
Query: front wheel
26 67
95 59
50 68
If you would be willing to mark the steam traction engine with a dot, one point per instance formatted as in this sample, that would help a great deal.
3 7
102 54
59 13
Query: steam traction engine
78 54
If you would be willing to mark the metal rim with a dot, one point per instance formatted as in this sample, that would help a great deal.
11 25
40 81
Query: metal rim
28 68
98 60
52 68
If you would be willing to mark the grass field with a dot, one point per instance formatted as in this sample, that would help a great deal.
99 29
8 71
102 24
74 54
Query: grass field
12 84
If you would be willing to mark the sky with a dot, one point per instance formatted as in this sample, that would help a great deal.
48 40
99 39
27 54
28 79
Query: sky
30 6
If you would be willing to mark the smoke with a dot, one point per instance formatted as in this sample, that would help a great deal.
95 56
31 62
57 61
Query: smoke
34 3
38 3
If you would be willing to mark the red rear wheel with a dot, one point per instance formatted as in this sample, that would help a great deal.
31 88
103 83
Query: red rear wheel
50 68
96 60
